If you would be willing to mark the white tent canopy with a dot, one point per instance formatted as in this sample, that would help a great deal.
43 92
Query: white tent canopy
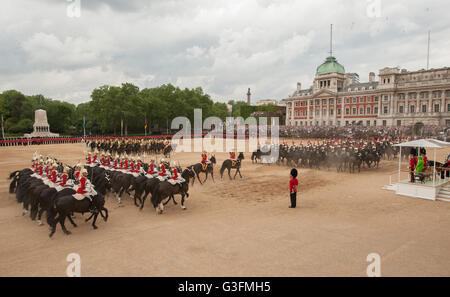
430 143
427 143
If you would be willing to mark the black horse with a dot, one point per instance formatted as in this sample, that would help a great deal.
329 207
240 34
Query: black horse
228 164
165 189
65 205
197 168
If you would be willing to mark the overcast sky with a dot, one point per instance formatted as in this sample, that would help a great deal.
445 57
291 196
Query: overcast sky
223 46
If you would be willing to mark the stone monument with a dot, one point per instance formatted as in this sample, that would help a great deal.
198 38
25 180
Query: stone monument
41 128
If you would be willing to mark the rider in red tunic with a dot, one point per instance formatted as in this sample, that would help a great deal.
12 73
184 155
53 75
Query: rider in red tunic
175 174
163 170
151 169
232 155
63 179
82 188
54 176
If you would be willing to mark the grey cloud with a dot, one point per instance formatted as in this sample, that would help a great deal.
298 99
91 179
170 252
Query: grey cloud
223 46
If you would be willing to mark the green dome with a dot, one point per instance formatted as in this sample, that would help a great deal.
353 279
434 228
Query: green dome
330 65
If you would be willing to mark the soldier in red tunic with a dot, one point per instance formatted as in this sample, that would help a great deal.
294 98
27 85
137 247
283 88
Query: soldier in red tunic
64 177
83 181
163 170
175 174
151 167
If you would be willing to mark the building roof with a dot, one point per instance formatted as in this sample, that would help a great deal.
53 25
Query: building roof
361 86
329 66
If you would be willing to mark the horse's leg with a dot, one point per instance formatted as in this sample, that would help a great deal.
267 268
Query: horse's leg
170 197
206 176
212 175
234 177
71 221
173 199
239 170
182 202
62 218
229 170
90 217
105 217
95 219
143 199
198 177
41 211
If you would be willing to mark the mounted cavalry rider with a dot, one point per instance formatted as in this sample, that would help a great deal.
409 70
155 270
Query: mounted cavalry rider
162 167
204 161
151 168
175 179
89 159
233 158
85 190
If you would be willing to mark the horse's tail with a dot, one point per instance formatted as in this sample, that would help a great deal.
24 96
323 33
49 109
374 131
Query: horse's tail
155 196
13 174
13 185
51 213
222 169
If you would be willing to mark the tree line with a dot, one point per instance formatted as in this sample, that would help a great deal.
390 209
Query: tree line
113 110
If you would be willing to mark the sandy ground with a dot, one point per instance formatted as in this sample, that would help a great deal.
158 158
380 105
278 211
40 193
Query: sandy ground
237 228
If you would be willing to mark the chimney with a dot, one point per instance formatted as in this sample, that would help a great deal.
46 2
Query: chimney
299 87
249 97
372 77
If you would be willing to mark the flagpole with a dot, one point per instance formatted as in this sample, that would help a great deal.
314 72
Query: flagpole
145 127
3 130
84 126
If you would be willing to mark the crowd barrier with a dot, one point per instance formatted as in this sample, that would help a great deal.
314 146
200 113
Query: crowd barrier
61 140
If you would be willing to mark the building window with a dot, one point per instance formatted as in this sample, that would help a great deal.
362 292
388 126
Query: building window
324 112
385 110
384 123
399 123
354 100
400 109
347 100
447 94
354 111
339 111
424 108
317 102
338 123
386 97
369 99
448 107
331 111
368 123
296 113
375 110
339 101
412 109
361 100
368 110
329 83
347 111
436 108
331 101
376 98
437 94
324 101
361 110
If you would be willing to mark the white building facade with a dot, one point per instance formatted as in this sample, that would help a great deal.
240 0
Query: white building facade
399 97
